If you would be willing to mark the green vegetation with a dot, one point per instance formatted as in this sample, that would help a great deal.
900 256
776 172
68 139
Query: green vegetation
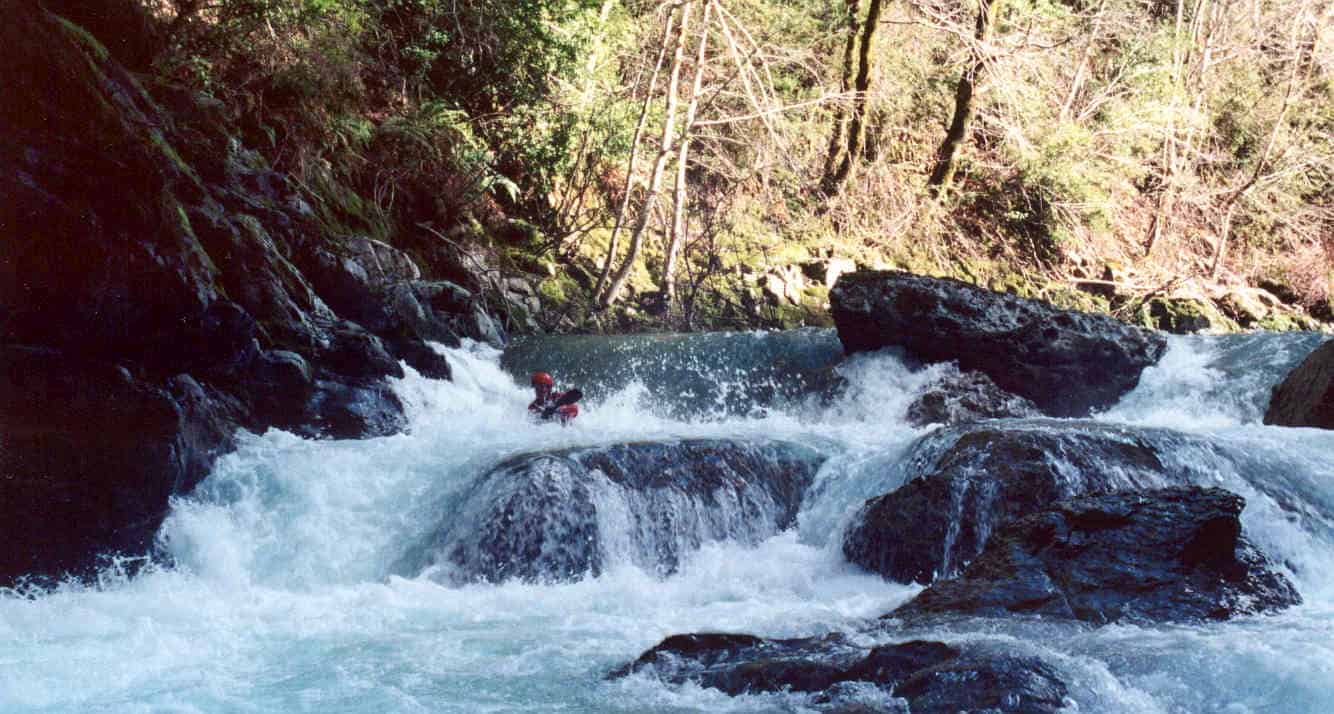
1148 159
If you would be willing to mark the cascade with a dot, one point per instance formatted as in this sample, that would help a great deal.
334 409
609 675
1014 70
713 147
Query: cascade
712 480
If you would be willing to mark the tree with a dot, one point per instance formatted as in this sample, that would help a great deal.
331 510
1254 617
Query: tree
964 95
841 156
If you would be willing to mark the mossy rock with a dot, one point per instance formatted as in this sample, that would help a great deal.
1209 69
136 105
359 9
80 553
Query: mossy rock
526 262
1014 284
521 233
1181 315
558 290
1277 321
1074 299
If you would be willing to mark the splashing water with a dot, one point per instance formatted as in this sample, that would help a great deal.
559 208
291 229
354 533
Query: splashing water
280 595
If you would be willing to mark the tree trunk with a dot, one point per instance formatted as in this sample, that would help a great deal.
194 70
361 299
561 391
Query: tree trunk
679 220
943 173
840 126
655 178
857 124
613 242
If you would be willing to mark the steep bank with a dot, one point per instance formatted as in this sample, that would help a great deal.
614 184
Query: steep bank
163 287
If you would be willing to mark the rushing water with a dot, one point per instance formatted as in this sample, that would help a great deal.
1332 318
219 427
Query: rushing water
279 595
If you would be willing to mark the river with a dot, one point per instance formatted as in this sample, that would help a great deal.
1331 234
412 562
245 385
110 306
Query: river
276 589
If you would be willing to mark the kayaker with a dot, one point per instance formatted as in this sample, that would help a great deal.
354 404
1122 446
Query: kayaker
551 404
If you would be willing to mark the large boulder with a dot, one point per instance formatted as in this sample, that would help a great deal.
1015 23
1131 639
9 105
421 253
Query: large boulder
562 515
1172 555
1306 396
930 676
1067 363
933 525
90 455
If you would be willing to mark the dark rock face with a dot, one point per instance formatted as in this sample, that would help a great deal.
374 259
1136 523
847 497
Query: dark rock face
930 676
151 282
935 524
1306 396
1173 555
89 456
1067 363
536 517
967 397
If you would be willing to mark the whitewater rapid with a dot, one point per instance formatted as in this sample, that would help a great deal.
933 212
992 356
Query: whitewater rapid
275 594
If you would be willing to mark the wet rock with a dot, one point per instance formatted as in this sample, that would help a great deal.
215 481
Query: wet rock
538 517
1306 396
1171 555
967 397
160 275
1067 363
352 273
90 454
935 524
929 676
340 410
357 354
281 383
421 357
81 269
439 311
990 679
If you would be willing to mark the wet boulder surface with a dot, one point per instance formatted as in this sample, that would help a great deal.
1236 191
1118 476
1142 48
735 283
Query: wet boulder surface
539 517
1306 396
924 676
967 397
1169 555
987 475
1067 363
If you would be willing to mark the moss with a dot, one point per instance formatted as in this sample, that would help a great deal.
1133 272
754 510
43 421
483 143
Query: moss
1287 322
1064 296
558 291
1014 284
522 233
1181 315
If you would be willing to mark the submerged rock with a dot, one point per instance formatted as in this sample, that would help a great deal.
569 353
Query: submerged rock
935 524
1067 363
1306 396
929 676
566 514
1172 555
967 397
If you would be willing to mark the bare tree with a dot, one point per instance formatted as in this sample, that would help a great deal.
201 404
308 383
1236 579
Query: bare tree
679 221
665 144
612 245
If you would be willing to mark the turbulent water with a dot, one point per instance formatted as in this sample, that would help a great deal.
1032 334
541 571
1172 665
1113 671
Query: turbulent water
275 590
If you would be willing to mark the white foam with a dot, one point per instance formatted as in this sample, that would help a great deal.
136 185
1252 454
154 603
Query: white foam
280 598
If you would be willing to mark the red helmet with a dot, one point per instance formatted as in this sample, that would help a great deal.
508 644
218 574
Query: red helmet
542 378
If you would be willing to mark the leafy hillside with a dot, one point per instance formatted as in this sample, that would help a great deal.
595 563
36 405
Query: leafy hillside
716 163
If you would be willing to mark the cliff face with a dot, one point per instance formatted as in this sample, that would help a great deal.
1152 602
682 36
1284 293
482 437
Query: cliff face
161 287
